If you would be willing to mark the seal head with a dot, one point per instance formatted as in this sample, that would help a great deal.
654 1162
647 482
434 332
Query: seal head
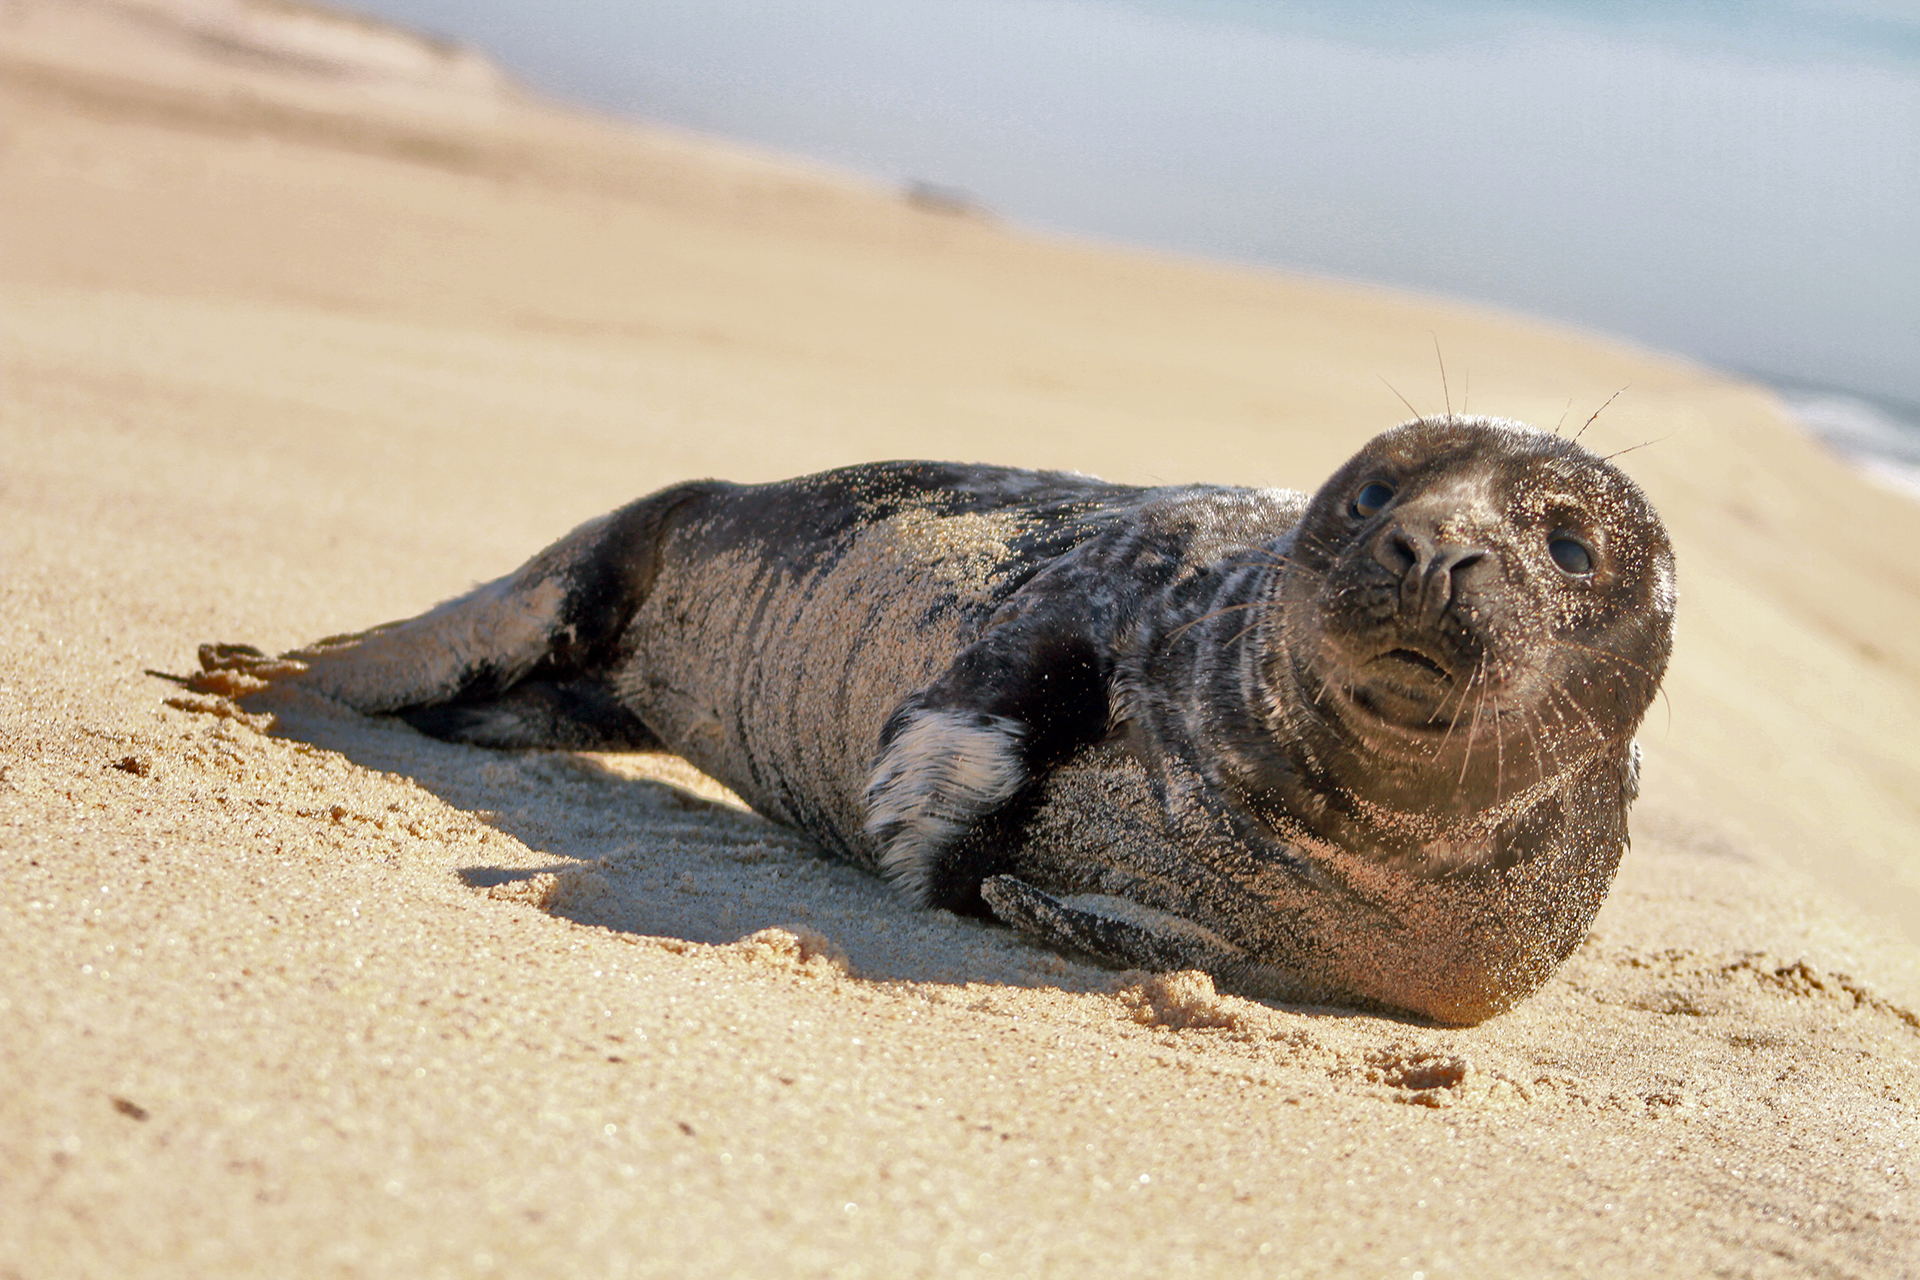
1467 612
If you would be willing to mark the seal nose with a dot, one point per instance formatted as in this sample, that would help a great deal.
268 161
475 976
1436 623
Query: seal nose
1429 570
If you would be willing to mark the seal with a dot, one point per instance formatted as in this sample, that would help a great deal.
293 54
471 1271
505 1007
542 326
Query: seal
1369 747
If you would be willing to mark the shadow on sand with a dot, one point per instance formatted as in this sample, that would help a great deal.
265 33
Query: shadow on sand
643 844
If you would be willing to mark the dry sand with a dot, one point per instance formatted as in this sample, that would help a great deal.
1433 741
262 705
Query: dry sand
308 325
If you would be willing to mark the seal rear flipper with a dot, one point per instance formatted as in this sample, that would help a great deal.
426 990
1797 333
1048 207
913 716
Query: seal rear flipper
550 628
1114 931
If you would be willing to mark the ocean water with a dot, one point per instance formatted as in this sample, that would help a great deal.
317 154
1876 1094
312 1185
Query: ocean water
1883 440
1736 182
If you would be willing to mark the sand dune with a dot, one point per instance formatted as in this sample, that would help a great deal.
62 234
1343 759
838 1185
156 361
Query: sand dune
308 324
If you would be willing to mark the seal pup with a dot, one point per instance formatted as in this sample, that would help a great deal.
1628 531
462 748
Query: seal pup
1370 746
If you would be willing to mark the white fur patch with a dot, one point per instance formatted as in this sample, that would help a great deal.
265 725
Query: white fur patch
943 771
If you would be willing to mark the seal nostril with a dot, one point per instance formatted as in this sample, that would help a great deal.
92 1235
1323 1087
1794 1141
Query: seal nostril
1464 561
1432 576
1399 552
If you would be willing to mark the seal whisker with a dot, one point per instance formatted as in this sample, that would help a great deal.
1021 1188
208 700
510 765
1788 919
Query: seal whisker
1453 717
1530 725
1269 556
1275 562
1214 613
1573 704
1609 457
1473 728
1550 705
1596 413
1417 415
1320 694
1445 392
1499 750
1240 634
1564 643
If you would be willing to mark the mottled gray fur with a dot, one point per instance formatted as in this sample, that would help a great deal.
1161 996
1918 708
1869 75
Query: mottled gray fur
1371 746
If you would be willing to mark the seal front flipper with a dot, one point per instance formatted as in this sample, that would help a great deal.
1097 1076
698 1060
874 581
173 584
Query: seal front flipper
1115 931
953 785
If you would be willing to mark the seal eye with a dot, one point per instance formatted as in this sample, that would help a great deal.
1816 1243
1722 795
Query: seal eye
1373 495
1571 555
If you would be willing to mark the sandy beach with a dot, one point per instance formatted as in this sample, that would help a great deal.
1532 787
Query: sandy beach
307 324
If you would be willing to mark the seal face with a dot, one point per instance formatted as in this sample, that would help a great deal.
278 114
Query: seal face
1370 747
1474 586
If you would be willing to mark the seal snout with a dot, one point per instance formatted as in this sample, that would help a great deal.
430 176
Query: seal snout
1425 642
1431 570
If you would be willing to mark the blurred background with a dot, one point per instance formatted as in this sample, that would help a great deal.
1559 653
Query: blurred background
1735 182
